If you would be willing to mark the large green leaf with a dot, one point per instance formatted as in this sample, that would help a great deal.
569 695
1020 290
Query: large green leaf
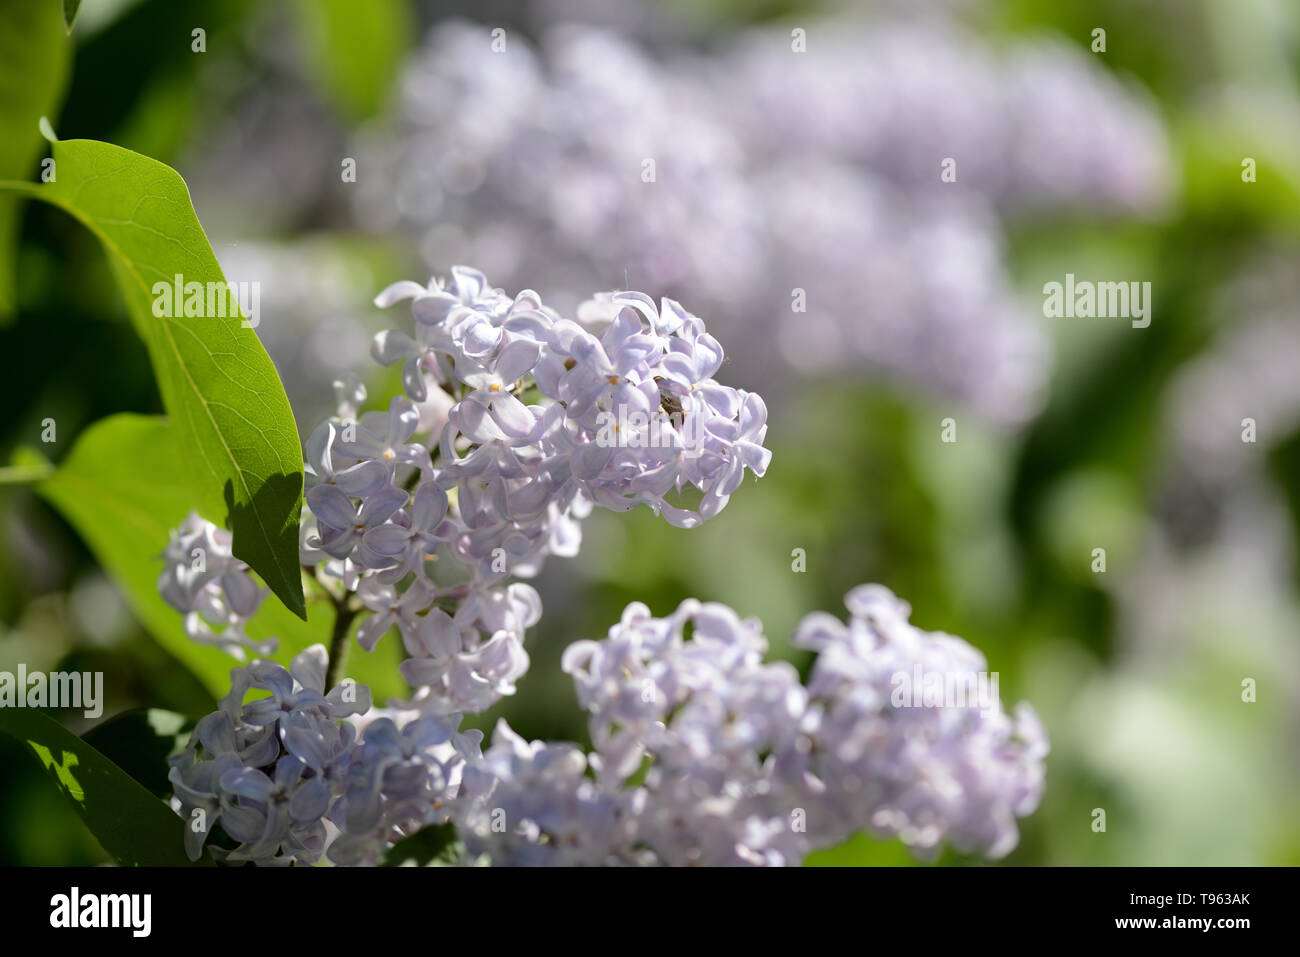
33 71
140 742
239 443
132 825
123 487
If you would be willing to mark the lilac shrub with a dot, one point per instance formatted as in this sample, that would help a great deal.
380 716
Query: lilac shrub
776 176
426 519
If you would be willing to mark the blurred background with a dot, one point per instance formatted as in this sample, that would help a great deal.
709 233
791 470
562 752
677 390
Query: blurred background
795 202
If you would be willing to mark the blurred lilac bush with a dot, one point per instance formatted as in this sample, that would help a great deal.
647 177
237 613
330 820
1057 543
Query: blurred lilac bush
773 172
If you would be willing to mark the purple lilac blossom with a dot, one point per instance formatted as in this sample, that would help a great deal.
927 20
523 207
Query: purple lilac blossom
705 754
787 171
213 590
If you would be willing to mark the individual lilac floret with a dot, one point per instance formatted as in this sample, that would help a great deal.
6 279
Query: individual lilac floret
897 760
268 771
215 591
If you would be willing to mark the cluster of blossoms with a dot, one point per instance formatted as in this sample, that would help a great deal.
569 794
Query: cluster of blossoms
289 774
898 96
513 423
544 149
531 160
925 773
213 590
704 754
268 771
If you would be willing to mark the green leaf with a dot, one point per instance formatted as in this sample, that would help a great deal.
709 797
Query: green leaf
70 8
432 846
123 487
33 73
239 442
133 826
355 59
140 742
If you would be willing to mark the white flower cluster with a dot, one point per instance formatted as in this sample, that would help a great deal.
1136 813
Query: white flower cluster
213 590
515 421
923 770
740 177
1035 125
269 771
287 775
704 754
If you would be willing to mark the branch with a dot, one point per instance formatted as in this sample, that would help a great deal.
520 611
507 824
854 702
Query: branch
344 613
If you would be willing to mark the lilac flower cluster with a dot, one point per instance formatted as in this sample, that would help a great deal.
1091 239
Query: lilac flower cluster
898 96
510 429
922 773
721 732
290 774
545 150
213 590
513 423
410 770
269 771
542 150
538 807
704 754
531 461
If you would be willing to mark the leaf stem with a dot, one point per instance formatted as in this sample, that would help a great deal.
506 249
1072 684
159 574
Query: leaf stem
23 474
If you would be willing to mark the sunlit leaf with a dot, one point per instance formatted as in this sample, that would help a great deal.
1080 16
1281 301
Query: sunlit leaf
238 441
124 489
132 825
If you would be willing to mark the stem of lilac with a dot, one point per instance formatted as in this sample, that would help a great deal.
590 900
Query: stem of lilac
338 651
